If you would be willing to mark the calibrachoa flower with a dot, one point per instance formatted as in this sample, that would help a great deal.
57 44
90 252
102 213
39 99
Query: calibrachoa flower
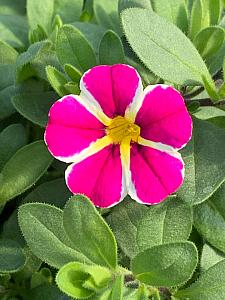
120 138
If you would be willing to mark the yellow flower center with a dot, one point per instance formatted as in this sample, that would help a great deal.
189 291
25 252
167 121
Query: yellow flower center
121 129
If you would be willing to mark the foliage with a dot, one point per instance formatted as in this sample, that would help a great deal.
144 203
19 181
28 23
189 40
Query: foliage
55 246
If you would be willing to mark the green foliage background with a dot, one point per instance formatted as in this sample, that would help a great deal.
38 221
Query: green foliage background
55 246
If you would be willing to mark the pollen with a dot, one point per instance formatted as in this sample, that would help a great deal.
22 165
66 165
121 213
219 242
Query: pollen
122 130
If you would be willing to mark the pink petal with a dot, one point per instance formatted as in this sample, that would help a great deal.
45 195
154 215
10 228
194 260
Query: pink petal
99 177
154 174
163 117
71 128
113 87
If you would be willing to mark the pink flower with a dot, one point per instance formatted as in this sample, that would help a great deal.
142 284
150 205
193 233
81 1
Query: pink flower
120 139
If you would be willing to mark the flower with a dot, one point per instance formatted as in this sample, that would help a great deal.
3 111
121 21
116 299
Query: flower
120 138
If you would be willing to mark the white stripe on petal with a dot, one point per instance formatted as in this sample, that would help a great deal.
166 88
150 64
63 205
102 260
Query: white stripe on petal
91 103
135 106
93 148
160 147
136 103
163 148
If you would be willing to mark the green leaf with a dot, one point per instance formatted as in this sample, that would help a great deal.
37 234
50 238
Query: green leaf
69 10
23 169
215 62
71 278
174 11
166 265
34 106
215 10
117 289
7 73
209 40
196 18
92 32
209 286
73 48
12 138
106 13
14 30
40 13
80 218
163 48
37 35
46 291
210 88
34 61
6 106
210 257
168 222
111 49
53 192
72 88
42 227
11 230
205 163
124 219
8 54
12 258
142 293
31 266
73 73
57 80
124 4
209 112
12 7
209 219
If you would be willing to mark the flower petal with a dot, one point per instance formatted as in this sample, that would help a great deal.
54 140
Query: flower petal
99 177
154 174
112 87
71 128
163 117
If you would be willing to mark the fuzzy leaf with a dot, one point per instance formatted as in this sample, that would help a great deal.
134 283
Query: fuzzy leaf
124 4
40 13
163 48
80 218
124 219
81 281
106 13
174 11
209 286
92 32
209 40
111 49
8 54
209 219
69 10
73 48
168 222
196 18
12 258
57 80
12 138
73 73
205 163
210 256
42 227
53 192
23 169
34 106
14 30
34 60
166 265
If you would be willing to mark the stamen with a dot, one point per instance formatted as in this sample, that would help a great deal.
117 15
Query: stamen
122 129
